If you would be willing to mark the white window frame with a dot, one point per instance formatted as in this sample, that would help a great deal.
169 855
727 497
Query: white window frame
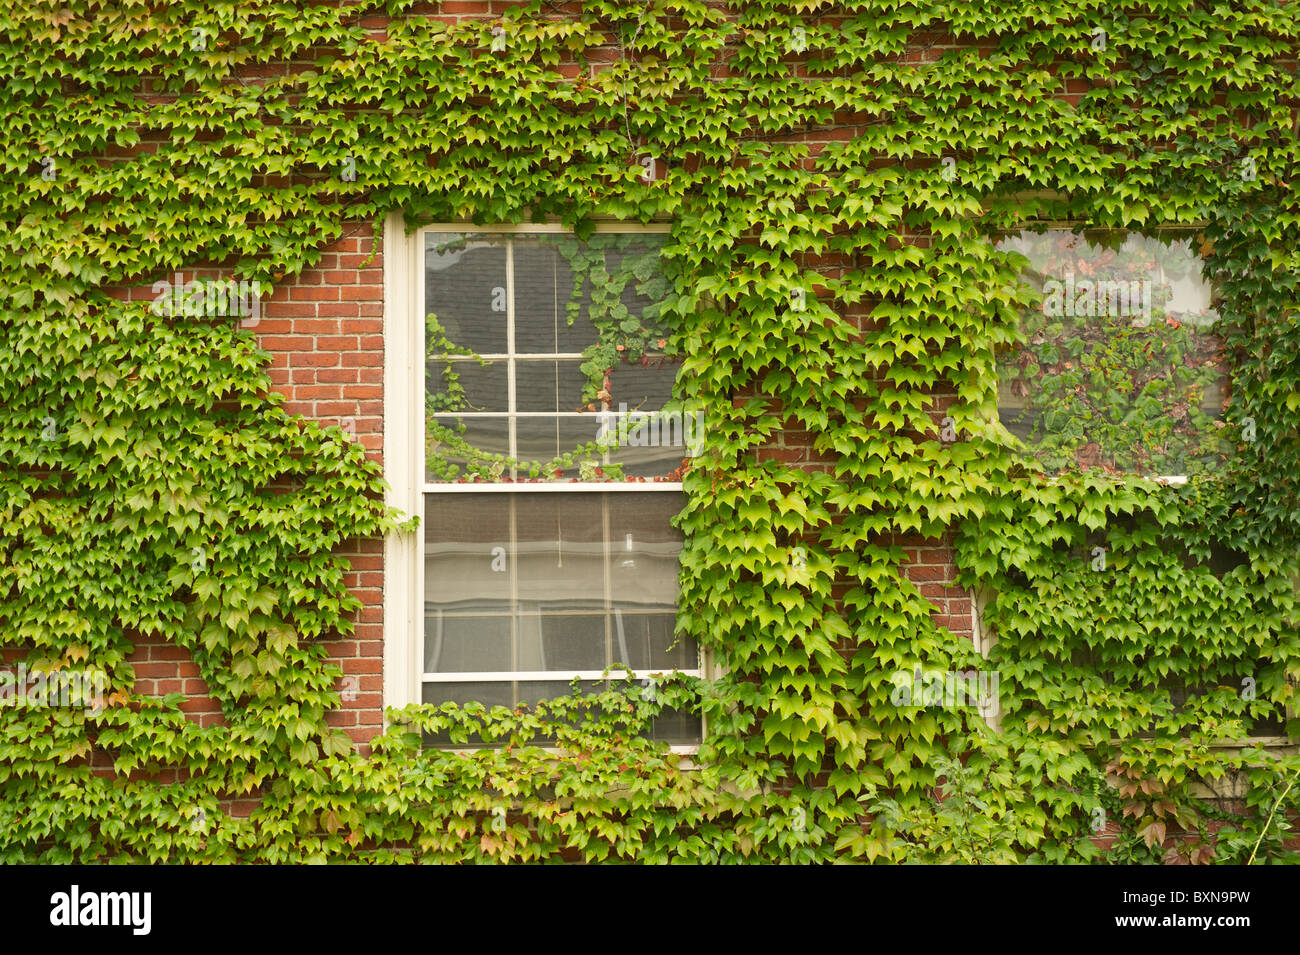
404 461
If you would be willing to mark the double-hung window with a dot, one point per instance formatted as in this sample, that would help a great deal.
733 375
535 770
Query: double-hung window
548 469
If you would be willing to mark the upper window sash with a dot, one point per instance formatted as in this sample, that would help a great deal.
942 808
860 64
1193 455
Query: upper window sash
502 410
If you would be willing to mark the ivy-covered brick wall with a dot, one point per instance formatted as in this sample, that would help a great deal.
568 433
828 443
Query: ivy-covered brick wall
324 334
323 331
185 500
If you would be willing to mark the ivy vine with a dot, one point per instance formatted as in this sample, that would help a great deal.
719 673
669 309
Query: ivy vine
836 175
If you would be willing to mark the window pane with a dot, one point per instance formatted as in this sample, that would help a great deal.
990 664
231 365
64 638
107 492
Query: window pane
535 386
581 596
454 442
488 693
539 298
1120 369
644 568
652 446
467 386
465 293
574 328
507 693
637 276
467 553
544 439
611 282
672 726
571 383
465 644
561 549
499 295
644 577
551 641
677 728
549 385
645 642
645 387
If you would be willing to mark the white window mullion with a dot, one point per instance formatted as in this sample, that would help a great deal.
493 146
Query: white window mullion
512 405
513 565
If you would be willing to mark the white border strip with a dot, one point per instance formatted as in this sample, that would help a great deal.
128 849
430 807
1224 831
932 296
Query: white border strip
403 461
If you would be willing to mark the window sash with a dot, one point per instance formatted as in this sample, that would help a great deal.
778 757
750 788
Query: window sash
514 605
423 488
513 438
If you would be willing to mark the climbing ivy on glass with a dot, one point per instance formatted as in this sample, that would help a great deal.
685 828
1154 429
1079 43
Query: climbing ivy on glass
606 269
1119 367
152 485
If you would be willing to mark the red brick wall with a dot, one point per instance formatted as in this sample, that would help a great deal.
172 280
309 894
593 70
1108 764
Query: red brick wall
324 330
931 565
325 333
162 668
